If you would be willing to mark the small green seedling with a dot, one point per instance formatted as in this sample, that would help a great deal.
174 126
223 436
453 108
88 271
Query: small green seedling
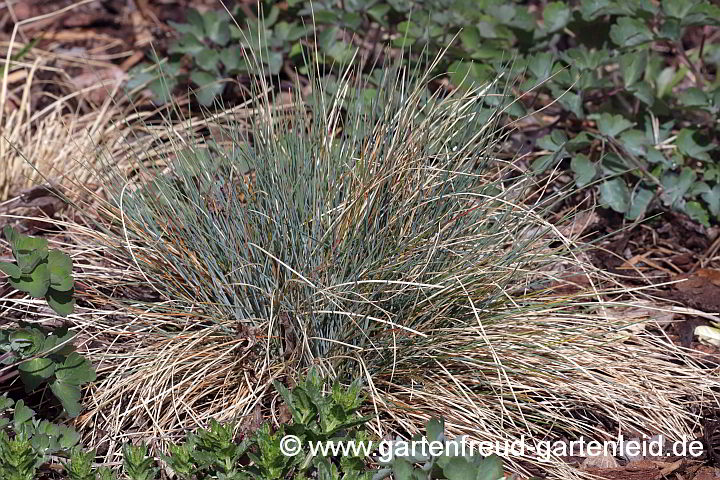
40 272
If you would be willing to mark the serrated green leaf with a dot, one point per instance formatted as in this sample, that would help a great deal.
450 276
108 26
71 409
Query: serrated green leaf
554 141
60 267
541 65
612 125
633 66
69 396
629 32
75 370
585 170
556 16
10 269
678 8
34 372
187 44
615 194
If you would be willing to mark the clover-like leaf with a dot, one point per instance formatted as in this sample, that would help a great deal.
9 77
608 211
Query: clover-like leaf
615 193
75 370
62 302
36 283
27 341
10 269
60 266
69 396
22 414
35 371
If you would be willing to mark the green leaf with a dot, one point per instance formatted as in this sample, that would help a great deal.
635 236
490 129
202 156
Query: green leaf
27 341
10 269
435 429
187 44
217 27
668 78
69 396
554 141
75 370
541 65
208 85
678 8
195 19
629 32
694 97
458 468
696 212
633 66
641 198
62 302
712 197
36 283
644 92
207 59
490 468
60 266
677 185
635 142
22 414
34 372
612 125
584 169
615 193
187 29
692 144
556 16
402 469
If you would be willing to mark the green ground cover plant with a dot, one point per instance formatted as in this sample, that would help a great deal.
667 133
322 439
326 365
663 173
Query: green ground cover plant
26 444
634 83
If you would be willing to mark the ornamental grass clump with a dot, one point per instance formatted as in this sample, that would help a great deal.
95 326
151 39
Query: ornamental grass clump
380 239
